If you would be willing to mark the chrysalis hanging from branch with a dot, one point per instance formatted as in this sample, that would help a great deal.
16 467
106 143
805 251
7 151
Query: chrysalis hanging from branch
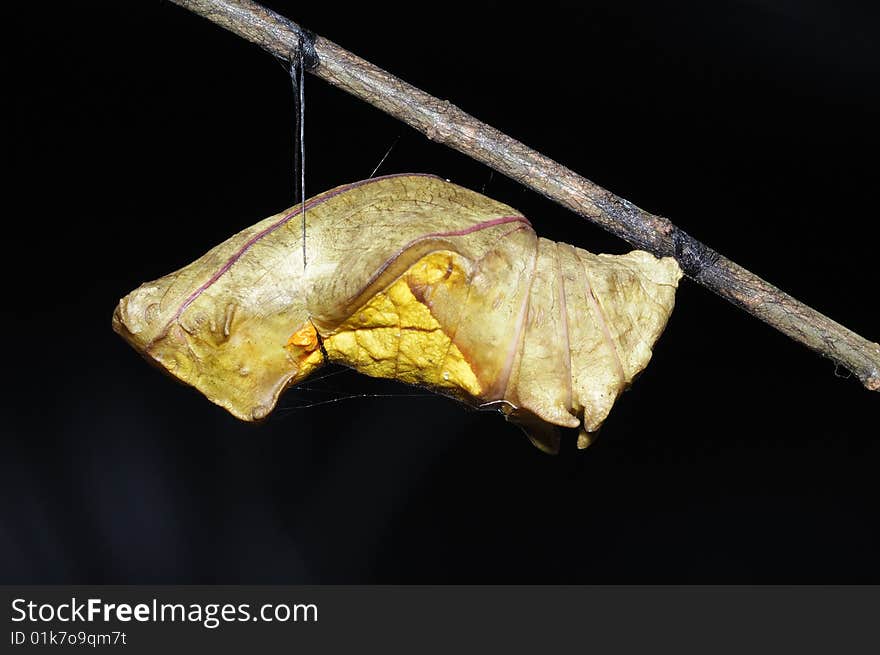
413 278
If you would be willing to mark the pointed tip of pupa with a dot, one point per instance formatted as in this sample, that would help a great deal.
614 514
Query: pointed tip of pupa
586 439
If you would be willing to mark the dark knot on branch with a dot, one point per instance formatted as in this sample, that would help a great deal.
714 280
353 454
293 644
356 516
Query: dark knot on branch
306 53
693 256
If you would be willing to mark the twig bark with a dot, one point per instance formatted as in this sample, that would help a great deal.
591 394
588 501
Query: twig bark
445 123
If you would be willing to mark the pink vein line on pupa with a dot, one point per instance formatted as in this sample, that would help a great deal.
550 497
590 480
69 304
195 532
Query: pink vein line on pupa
281 221
502 220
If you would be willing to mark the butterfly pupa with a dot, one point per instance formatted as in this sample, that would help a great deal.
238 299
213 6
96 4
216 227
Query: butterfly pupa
417 279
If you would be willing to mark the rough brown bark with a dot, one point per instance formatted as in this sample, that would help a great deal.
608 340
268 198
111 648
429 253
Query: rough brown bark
445 123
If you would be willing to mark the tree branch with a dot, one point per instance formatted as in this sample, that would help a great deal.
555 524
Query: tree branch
445 123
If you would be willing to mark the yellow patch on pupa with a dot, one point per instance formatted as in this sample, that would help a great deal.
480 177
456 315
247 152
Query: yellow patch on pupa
303 348
306 338
394 335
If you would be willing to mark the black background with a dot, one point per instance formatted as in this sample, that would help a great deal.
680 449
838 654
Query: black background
141 136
